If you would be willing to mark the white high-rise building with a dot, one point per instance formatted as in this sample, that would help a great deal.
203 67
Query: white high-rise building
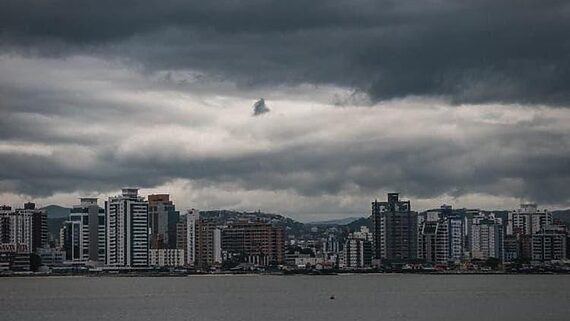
25 228
456 238
528 220
486 237
358 249
192 217
16 228
127 230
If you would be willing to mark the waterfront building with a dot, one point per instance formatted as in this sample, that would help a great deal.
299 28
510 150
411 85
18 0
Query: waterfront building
163 218
207 243
51 256
14 257
192 217
528 220
83 235
486 237
127 240
512 248
24 227
394 230
433 241
550 243
357 251
255 242
167 257
181 233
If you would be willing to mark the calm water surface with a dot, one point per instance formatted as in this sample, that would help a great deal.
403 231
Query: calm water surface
221 298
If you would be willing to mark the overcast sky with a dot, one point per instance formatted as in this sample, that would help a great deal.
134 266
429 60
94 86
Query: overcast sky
457 102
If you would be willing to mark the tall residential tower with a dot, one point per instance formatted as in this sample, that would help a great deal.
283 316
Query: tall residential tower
127 230
394 230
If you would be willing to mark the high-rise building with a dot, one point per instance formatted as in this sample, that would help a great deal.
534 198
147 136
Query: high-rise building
550 243
206 242
40 233
433 241
84 233
486 237
357 252
522 224
255 242
395 230
528 220
181 233
24 228
163 217
456 237
192 217
441 235
127 230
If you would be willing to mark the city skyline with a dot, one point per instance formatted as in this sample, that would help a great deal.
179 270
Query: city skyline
134 232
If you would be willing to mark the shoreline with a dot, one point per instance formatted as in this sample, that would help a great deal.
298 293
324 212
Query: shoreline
229 274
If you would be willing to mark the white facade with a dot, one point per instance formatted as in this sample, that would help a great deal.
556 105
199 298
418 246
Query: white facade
19 228
456 238
166 257
191 218
486 238
218 245
127 230
528 220
302 262
357 252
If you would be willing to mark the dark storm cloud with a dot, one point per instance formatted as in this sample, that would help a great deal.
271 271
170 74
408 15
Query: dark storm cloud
468 51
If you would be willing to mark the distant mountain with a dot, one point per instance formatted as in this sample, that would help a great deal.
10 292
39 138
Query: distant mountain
341 221
562 215
54 225
362 221
56 211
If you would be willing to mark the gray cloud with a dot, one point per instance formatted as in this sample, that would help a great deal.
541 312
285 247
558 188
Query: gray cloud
99 127
476 51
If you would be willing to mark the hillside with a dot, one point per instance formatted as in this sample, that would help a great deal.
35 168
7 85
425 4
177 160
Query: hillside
56 211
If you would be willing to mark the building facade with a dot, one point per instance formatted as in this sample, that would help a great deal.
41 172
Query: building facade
528 220
394 230
357 251
207 243
163 217
24 228
83 234
486 237
433 241
167 257
256 242
127 241
192 217
550 243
